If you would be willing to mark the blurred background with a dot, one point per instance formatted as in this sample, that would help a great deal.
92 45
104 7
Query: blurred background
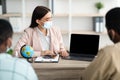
71 16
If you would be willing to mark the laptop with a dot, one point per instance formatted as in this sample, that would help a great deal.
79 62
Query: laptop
83 47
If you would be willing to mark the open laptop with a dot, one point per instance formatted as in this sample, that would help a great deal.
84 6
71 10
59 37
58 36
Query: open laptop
83 47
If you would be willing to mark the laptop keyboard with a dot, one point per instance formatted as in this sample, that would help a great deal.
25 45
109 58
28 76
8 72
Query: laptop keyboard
81 58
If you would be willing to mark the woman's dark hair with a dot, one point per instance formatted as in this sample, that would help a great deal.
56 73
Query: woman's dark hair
113 19
6 30
38 13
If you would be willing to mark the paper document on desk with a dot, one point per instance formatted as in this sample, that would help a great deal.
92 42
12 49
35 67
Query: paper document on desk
43 59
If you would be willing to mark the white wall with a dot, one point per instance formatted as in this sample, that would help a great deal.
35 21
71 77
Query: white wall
62 6
81 7
15 6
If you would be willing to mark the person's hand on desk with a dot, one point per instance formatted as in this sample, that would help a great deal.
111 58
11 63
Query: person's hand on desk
64 53
48 52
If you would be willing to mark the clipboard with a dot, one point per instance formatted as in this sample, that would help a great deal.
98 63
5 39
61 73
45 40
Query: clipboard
47 59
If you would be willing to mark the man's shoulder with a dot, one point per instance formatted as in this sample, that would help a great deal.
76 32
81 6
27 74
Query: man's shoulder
22 61
17 66
110 50
112 47
9 60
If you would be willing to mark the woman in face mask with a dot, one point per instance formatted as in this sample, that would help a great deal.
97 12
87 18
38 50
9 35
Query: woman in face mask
41 35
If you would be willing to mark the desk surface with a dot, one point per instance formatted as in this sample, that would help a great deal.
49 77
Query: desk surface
62 64
63 70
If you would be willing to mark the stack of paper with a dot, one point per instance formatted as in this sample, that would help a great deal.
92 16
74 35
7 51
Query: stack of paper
43 59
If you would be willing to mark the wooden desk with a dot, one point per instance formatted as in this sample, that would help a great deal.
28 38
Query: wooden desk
63 70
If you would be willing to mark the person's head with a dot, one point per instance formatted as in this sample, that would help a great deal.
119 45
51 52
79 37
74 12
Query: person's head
40 15
113 24
6 33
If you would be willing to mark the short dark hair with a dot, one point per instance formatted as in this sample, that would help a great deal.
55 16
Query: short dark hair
6 30
113 19
38 13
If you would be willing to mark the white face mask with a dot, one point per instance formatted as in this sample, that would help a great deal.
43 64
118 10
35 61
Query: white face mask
47 25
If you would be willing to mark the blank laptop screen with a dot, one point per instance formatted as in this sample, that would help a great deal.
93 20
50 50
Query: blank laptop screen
84 43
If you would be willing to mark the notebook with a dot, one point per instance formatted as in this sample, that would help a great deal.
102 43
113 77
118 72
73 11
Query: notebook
47 59
83 47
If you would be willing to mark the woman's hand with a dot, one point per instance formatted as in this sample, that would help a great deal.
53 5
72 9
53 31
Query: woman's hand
64 53
48 52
